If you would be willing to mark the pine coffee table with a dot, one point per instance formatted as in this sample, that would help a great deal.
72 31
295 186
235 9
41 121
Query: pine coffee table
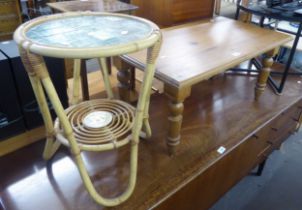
195 52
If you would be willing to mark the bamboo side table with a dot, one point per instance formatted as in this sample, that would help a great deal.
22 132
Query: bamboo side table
95 125
114 6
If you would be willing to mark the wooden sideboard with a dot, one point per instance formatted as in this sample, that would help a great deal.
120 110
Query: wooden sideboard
10 18
171 12
221 112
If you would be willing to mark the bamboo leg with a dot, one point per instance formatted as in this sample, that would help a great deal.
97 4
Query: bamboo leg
267 63
104 69
37 67
142 106
147 132
76 81
177 97
91 189
77 153
51 145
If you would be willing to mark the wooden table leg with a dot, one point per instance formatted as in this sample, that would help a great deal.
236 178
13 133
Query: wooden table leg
108 61
84 81
176 107
267 63
126 78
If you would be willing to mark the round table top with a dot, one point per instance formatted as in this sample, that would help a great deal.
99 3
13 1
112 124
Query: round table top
259 7
82 33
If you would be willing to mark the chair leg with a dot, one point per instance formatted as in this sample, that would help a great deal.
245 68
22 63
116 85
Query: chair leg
104 70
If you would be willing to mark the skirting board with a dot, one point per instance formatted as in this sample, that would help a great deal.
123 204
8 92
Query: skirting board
16 142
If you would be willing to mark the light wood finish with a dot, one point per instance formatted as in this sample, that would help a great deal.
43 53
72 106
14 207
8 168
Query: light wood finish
289 45
176 107
68 128
193 53
267 63
207 49
170 12
14 143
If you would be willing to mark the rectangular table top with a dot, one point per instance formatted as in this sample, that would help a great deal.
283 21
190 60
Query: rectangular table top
195 52
92 5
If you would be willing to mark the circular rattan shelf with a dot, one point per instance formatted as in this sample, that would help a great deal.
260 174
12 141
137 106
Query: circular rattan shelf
117 129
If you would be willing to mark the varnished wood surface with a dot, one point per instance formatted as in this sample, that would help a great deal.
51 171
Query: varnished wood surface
194 53
171 12
220 112
92 5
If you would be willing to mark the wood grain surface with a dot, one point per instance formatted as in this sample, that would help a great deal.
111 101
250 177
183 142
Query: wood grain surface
220 112
194 53
172 12
92 5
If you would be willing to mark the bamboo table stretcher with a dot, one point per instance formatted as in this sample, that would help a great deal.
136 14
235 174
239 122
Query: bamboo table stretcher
195 52
96 125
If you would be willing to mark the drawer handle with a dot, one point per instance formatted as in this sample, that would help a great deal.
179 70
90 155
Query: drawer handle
269 142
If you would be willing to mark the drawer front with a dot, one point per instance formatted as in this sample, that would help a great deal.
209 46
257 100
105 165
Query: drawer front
191 9
8 25
8 7
279 130
227 171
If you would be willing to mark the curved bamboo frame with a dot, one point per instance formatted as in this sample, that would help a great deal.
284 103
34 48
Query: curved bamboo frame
93 52
31 54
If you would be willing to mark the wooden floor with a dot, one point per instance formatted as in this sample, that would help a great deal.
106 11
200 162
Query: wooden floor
220 112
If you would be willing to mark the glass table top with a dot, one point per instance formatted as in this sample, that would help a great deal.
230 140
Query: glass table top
89 31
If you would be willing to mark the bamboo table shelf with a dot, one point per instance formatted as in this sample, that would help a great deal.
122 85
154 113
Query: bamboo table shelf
195 52
95 125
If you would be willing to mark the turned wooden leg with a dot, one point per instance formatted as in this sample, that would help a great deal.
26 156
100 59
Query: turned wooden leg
267 63
109 66
245 17
84 81
176 107
126 78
